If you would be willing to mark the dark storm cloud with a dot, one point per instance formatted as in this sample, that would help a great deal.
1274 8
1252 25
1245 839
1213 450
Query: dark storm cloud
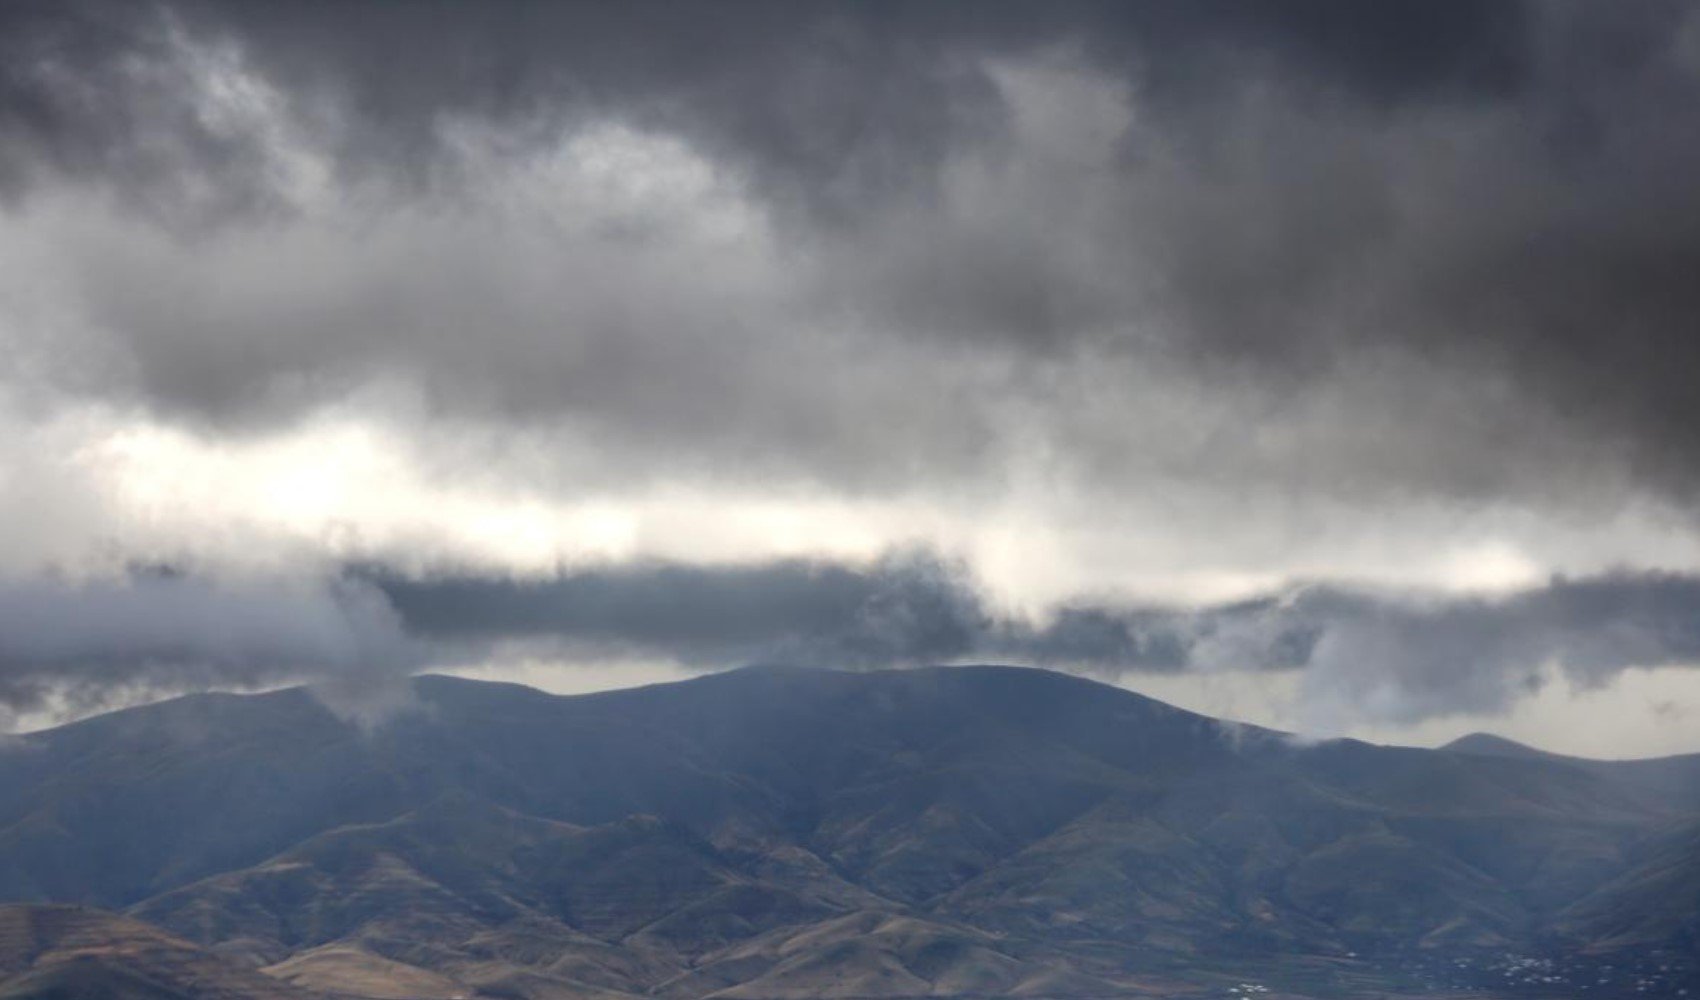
1547 237
101 93
1479 214
830 104
834 102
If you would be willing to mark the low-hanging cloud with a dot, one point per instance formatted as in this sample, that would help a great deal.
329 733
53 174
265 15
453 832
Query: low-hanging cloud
905 609
69 646
1360 653
1388 656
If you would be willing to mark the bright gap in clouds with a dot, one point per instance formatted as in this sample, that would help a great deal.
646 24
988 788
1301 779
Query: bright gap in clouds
348 487
1641 712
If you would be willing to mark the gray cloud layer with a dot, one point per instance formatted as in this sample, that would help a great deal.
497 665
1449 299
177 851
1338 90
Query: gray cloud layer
1441 249
1361 654
1393 657
835 103
1241 258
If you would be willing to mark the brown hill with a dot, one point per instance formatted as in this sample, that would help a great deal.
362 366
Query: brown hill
957 831
73 952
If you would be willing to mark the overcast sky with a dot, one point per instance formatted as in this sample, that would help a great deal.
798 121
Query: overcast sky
1323 363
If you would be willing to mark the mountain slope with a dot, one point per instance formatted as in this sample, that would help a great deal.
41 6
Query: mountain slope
1656 902
1674 781
773 832
62 951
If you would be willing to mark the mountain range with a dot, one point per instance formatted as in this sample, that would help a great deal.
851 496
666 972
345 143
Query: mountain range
789 833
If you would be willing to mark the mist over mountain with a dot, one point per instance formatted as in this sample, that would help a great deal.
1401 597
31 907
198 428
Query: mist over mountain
788 833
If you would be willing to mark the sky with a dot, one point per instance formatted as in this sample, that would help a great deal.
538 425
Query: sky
1323 364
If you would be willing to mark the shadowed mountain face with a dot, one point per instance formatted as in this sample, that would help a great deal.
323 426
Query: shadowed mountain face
786 833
